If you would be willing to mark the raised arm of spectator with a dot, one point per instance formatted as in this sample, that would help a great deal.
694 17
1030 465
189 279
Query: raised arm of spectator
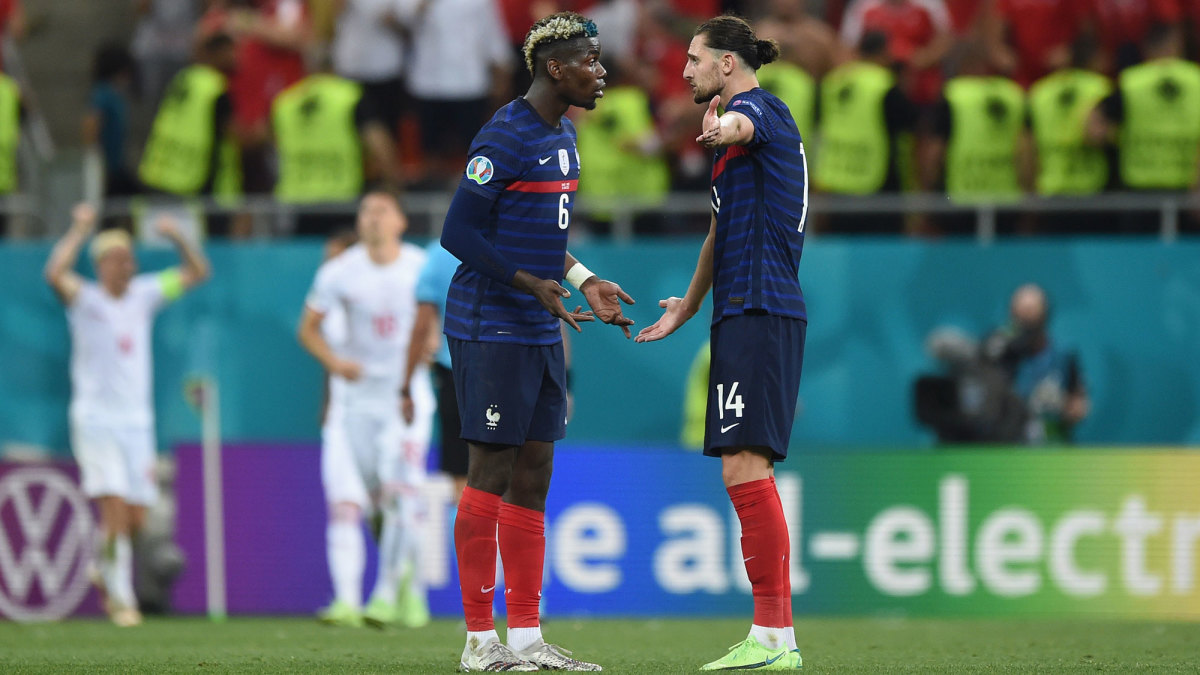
59 272
994 28
196 268
932 53
289 28
18 26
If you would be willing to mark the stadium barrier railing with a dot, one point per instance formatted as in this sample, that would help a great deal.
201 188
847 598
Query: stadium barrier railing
622 219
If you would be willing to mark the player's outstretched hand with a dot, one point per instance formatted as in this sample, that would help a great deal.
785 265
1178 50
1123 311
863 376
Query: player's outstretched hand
710 128
605 298
674 316
549 293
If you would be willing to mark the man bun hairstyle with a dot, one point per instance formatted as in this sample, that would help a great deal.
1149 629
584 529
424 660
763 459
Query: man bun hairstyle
732 34
553 29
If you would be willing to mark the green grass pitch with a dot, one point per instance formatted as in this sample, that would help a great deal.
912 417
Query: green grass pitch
841 645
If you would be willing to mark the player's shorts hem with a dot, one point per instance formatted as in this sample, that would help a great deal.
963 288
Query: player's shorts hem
729 449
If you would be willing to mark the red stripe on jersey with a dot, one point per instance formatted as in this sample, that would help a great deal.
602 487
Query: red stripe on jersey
733 151
543 186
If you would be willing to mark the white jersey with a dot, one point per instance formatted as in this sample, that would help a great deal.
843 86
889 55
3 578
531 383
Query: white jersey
378 305
111 381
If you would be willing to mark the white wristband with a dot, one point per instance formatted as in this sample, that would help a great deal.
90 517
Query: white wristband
578 274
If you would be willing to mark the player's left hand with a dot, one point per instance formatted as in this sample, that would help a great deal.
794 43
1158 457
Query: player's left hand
605 298
579 315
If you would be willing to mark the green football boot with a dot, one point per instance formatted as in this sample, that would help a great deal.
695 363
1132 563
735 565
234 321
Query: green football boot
380 613
341 614
749 654
412 611
412 608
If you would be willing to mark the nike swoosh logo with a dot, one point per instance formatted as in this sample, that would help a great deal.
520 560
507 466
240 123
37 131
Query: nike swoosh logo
487 589
544 160
773 660
724 429
749 559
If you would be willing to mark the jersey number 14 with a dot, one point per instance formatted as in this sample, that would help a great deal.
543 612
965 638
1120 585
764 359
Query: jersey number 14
733 403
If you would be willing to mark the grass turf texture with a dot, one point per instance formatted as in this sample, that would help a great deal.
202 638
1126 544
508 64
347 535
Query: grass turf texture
276 645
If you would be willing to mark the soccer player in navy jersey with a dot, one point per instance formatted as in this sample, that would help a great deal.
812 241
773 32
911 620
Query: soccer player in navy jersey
508 224
750 259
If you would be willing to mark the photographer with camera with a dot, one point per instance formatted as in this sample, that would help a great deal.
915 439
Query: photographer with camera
1044 374
1018 386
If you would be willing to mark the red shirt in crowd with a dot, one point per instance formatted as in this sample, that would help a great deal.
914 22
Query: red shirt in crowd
910 26
8 8
1121 22
963 14
1035 28
263 70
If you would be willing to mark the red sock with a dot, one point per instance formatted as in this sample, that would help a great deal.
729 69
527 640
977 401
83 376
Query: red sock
787 560
475 544
765 549
522 537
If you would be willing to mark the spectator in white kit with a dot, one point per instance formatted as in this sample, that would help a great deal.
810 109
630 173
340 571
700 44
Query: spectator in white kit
369 47
162 42
459 74
112 395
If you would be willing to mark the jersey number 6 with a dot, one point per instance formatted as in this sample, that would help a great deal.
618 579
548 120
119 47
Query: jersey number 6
564 214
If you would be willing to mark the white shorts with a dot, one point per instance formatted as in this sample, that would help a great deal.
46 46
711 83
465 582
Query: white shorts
368 456
116 461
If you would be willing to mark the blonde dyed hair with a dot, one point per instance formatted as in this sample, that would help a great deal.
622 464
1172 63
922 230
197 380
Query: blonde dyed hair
108 240
556 28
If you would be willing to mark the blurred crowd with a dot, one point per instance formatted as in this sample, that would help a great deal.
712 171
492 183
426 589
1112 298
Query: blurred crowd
982 100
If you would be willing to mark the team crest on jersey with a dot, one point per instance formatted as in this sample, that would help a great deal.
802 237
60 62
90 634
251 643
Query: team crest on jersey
480 170
564 161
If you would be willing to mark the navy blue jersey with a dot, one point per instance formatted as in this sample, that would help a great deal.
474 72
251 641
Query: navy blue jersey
530 171
760 198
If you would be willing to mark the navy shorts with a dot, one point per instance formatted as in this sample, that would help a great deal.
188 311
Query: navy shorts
753 383
508 393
